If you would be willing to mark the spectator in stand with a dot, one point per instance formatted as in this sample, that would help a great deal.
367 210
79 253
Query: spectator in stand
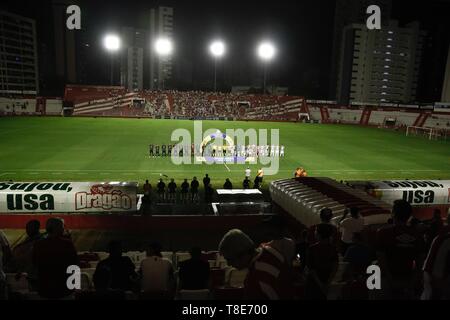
359 256
228 185
435 227
172 186
51 257
268 277
194 190
322 262
5 248
157 274
194 273
206 180
246 183
21 261
147 188
277 240
437 269
326 214
146 204
348 227
184 191
209 193
161 190
399 251
120 268
102 285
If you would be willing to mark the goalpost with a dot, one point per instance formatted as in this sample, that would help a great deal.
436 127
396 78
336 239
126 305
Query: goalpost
430 133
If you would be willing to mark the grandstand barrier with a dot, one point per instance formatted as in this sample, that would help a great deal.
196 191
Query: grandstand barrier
424 195
61 197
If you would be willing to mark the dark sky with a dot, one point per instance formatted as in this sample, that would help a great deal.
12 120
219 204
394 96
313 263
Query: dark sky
302 31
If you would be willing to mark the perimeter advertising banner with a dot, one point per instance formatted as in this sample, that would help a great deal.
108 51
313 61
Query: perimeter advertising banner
416 192
67 197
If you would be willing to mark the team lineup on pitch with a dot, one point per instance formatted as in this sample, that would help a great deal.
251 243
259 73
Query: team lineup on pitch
80 149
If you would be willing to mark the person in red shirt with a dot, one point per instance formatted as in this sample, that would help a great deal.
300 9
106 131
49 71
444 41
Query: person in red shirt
399 250
269 276
51 258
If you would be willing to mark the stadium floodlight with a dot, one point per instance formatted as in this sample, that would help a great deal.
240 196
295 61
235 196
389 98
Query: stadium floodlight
266 52
217 49
163 47
111 42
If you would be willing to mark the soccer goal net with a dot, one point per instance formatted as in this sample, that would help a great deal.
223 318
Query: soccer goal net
429 133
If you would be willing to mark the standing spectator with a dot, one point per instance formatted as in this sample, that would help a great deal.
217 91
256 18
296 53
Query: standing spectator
147 188
348 227
120 268
206 180
246 183
194 273
51 257
161 190
248 172
322 262
326 214
268 277
228 185
157 274
194 189
399 251
172 186
184 191
359 256
209 192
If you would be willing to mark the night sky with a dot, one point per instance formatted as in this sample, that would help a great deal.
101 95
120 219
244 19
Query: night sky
302 31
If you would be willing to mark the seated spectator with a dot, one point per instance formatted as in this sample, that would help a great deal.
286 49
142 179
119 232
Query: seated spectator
268 277
228 185
121 268
278 241
399 250
102 285
157 274
51 257
322 262
21 261
348 227
194 273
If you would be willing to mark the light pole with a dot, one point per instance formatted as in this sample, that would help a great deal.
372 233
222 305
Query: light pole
217 49
266 52
111 43
164 48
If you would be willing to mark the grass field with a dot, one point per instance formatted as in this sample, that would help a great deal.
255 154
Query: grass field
100 149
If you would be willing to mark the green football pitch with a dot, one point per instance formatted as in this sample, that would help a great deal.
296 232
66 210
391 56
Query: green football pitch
106 149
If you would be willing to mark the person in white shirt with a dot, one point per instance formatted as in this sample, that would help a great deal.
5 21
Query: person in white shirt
157 274
282 151
349 226
248 172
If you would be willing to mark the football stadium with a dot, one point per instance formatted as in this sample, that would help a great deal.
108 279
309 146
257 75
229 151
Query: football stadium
158 192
